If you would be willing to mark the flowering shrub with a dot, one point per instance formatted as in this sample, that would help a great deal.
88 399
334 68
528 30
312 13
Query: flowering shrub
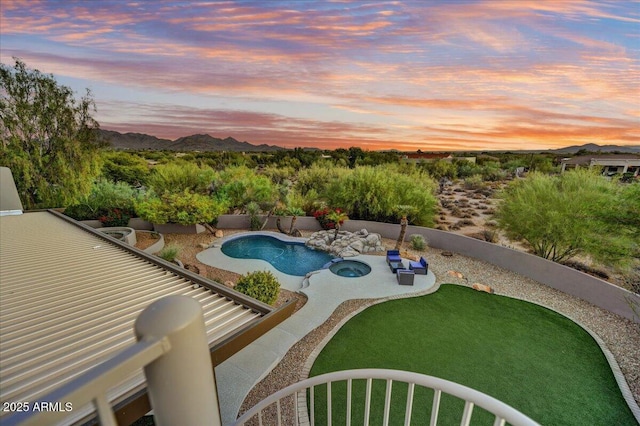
115 217
323 216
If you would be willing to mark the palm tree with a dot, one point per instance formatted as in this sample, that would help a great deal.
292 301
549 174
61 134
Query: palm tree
294 212
403 212
338 217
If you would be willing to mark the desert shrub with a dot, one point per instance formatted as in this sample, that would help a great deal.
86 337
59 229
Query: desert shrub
455 211
261 285
474 182
464 222
373 193
184 208
490 235
279 174
466 168
440 168
491 171
418 242
125 167
253 209
180 176
317 179
241 186
575 212
104 197
169 253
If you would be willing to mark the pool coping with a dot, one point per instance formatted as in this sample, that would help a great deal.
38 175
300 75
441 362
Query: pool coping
278 235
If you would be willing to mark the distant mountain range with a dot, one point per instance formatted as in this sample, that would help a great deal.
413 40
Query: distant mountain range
140 141
592 147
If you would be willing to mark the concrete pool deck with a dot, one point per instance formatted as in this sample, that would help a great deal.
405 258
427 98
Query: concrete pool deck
325 291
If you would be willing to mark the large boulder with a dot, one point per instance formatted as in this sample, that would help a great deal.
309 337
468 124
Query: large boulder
346 244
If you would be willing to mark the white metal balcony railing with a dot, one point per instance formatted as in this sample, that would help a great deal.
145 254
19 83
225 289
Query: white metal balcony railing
172 348
304 412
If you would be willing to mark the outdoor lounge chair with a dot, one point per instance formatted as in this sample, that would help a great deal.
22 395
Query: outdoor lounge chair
420 267
393 256
405 276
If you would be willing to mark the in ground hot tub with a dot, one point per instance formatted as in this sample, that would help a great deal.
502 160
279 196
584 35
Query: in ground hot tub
350 268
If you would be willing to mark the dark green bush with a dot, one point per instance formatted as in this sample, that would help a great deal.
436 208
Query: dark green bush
261 285
125 167
105 197
81 212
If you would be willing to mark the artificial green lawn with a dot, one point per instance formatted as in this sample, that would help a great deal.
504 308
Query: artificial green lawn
527 356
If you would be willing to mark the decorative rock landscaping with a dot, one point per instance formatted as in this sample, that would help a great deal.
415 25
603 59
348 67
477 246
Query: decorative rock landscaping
347 244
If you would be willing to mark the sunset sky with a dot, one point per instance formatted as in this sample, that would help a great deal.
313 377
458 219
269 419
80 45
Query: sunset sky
408 75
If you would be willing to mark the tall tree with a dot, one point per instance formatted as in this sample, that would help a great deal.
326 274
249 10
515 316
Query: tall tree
48 137
576 212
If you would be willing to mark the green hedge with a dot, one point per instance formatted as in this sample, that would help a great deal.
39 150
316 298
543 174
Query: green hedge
261 285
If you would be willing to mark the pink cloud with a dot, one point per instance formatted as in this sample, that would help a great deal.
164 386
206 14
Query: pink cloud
495 72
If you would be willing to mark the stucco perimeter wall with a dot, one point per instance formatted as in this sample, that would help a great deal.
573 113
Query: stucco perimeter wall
563 278
234 221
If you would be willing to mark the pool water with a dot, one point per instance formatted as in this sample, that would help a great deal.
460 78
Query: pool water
290 258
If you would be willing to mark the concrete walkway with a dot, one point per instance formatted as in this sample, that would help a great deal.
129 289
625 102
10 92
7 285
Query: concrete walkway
325 291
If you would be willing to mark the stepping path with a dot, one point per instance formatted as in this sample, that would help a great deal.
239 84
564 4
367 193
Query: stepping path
325 291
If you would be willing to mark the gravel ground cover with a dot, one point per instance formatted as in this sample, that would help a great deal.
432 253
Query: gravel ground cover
620 336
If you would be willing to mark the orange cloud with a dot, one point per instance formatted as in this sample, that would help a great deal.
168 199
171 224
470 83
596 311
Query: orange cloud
407 74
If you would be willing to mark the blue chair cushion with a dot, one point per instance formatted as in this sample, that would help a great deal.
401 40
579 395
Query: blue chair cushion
393 256
420 266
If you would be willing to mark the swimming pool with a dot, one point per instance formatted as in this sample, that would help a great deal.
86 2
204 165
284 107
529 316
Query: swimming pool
291 258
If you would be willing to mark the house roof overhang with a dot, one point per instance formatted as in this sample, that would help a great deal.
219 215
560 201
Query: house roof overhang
69 296
601 159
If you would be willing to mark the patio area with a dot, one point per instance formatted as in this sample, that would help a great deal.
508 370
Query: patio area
325 292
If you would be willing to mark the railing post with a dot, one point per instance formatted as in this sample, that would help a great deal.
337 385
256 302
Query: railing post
181 383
